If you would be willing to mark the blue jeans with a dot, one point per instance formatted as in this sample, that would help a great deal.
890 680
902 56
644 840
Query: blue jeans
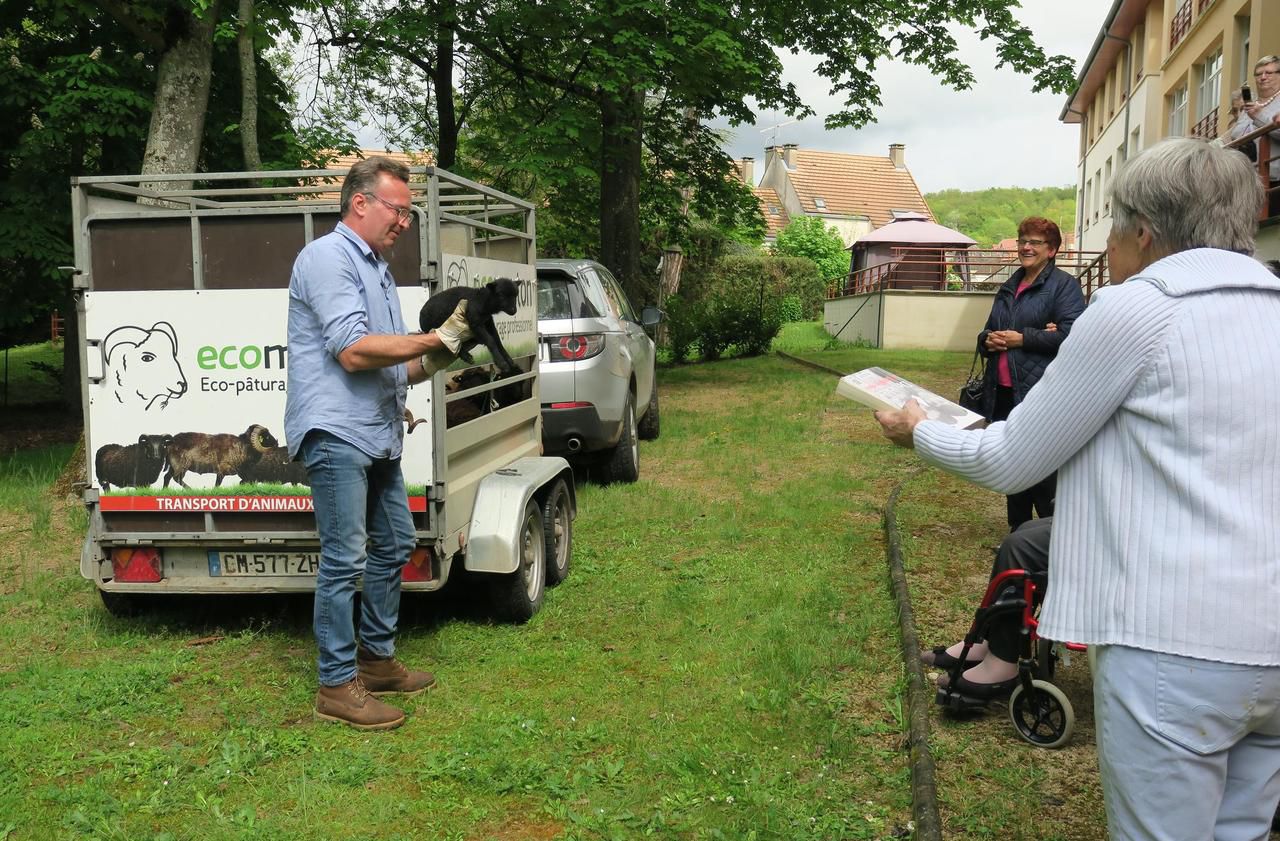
362 516
1188 748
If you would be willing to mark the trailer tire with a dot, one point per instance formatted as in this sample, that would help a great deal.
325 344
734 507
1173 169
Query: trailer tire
557 528
518 596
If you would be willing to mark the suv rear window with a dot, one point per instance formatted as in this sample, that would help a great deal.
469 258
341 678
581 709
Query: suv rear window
560 297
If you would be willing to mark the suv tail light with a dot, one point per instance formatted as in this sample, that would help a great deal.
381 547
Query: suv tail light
575 347
139 564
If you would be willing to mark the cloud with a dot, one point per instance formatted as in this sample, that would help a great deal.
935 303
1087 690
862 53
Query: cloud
997 133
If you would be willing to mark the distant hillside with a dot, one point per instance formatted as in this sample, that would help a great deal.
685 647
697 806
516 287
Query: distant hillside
992 215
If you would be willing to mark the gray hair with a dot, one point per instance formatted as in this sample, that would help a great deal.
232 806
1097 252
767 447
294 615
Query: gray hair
363 177
1192 194
1266 59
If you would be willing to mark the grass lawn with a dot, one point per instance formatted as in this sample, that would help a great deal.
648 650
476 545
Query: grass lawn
722 662
26 382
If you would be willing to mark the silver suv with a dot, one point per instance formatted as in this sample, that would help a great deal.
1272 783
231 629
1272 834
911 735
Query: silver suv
595 369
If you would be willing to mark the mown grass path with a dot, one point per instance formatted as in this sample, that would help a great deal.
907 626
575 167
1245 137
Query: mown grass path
721 663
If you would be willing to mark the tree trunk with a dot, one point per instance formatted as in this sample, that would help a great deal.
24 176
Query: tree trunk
668 283
182 97
442 83
622 129
248 88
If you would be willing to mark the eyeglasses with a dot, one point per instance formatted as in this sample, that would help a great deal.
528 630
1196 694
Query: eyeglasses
402 213
1035 242
1266 73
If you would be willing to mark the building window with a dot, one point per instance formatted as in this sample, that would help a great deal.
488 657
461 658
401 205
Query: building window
1209 89
1135 141
819 203
1139 52
1178 112
1097 195
1244 73
1180 24
1085 200
1106 179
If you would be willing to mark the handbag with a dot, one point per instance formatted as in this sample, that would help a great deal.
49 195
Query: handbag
972 391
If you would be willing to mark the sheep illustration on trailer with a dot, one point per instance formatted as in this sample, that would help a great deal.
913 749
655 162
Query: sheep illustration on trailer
221 454
274 467
133 465
142 365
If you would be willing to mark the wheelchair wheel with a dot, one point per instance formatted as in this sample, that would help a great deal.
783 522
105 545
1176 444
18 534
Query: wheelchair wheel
1043 716
1046 659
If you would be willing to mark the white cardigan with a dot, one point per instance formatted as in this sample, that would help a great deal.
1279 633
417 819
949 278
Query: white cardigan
1161 413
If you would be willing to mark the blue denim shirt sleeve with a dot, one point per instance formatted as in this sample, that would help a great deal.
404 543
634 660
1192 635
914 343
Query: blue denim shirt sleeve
329 283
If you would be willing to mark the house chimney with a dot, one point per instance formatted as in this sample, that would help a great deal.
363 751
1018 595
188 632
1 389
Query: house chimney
749 171
788 155
898 154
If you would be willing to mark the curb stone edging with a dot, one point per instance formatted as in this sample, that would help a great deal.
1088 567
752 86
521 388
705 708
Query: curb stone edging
924 790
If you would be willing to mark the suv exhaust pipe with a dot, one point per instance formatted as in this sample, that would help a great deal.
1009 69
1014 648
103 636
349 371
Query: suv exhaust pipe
574 444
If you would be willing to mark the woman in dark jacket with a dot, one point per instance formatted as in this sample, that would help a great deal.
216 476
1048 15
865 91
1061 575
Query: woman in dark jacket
1032 315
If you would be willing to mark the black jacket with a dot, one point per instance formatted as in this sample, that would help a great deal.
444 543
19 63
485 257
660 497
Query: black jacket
1055 297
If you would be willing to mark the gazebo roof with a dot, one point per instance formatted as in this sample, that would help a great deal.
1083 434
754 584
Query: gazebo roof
915 229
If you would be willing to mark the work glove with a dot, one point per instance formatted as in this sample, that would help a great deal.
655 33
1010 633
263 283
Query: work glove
452 333
455 329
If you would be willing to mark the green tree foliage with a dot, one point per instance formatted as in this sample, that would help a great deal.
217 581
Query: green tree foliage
76 87
993 214
812 237
607 75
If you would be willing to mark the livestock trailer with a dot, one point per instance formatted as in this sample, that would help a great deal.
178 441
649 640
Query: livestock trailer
182 297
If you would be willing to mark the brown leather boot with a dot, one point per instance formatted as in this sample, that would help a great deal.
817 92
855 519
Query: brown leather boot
351 703
387 675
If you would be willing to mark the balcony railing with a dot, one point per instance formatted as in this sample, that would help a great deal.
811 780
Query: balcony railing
939 269
1267 153
1207 128
1180 25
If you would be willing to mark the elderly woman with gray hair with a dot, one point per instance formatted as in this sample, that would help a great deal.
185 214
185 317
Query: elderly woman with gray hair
1161 413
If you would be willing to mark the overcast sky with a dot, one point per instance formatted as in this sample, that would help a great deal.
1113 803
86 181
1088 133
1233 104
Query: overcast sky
996 134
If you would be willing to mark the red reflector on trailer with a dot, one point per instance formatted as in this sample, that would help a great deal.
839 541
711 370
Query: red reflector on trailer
137 563
577 404
418 567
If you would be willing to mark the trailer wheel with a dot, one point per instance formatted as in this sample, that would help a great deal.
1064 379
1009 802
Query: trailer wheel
557 527
518 596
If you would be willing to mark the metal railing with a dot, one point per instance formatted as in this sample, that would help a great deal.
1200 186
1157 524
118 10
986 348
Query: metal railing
1207 127
1180 24
941 269
1265 159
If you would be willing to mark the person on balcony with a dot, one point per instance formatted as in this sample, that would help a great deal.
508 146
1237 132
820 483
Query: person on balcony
1165 543
1030 318
1263 111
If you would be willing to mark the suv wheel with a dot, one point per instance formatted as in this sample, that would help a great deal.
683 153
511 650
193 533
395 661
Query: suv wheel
623 464
649 423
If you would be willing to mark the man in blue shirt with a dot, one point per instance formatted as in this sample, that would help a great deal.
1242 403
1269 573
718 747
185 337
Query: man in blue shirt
350 364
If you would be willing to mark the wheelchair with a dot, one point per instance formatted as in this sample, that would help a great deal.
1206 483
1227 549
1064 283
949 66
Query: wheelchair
1041 713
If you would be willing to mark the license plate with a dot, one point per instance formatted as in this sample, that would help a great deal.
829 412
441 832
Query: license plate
263 563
